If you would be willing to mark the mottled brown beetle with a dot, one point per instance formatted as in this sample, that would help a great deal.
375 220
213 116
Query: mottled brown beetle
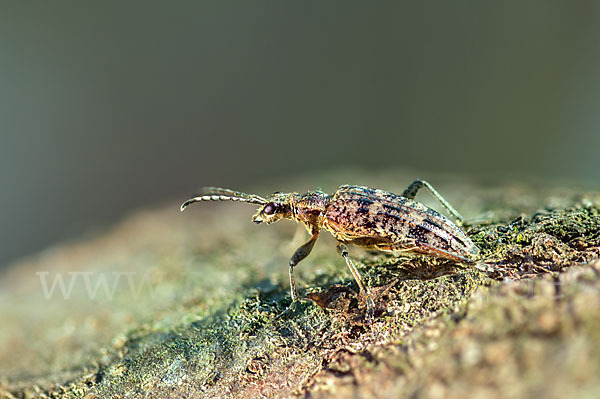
362 216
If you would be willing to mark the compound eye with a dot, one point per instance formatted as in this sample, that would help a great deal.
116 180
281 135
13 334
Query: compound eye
270 208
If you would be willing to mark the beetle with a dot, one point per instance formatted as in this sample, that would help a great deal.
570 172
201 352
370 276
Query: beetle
362 216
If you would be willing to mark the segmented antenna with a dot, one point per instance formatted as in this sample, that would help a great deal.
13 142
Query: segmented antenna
224 194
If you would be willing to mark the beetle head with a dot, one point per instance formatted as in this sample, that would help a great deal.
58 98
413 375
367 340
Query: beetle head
278 206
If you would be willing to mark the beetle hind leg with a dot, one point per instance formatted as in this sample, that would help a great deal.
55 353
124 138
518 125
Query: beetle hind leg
411 191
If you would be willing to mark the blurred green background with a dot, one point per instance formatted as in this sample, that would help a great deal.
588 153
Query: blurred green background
106 105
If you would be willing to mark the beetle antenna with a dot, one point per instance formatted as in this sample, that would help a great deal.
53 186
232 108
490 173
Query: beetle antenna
224 194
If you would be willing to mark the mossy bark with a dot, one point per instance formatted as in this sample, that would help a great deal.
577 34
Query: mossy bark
196 294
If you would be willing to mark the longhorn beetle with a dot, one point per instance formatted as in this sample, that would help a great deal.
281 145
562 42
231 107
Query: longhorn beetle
362 216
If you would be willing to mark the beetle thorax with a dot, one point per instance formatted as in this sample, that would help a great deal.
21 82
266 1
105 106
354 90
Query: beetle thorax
310 209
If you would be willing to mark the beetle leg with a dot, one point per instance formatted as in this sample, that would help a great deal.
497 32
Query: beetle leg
300 254
343 251
411 192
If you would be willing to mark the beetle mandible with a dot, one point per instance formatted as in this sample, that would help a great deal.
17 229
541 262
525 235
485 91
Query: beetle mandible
363 216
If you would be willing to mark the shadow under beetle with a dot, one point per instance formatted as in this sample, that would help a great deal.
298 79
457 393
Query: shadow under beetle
362 216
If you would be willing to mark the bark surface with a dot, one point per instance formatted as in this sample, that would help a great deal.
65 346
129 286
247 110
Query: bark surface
167 305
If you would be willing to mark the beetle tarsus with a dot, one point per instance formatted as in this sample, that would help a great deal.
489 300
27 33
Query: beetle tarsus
290 309
370 315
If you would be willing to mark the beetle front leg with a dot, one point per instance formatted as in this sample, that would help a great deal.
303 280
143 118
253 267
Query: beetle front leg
343 251
411 191
300 254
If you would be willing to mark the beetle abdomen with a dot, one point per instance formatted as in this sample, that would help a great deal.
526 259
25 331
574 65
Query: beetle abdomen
379 219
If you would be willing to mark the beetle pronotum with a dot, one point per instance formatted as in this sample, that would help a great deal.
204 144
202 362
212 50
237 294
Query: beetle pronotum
362 216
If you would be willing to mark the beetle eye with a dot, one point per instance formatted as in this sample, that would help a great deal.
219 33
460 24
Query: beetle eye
270 208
